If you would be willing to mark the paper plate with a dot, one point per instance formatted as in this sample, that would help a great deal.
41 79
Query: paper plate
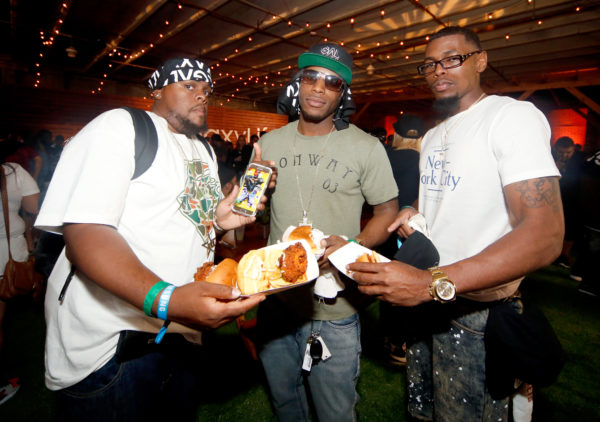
312 268
348 254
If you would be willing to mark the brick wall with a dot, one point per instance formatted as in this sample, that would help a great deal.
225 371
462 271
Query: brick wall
65 113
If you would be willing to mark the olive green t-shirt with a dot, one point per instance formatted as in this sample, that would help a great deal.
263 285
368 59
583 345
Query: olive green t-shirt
330 176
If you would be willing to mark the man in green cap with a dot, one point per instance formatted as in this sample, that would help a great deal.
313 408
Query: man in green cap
327 168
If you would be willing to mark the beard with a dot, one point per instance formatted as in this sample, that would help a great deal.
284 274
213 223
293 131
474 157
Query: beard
318 118
314 118
186 126
446 106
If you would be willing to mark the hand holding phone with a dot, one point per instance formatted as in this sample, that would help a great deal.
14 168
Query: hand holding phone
253 185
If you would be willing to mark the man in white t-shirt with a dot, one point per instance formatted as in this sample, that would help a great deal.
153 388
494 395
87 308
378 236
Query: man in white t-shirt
124 237
489 193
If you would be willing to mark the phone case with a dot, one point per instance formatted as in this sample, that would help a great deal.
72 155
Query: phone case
252 187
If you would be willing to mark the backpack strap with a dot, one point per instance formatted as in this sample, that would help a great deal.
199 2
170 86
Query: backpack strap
146 140
206 145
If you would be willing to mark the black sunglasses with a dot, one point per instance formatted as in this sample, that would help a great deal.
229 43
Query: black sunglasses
332 82
446 63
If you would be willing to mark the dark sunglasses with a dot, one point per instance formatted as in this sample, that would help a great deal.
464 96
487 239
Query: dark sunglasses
446 63
332 82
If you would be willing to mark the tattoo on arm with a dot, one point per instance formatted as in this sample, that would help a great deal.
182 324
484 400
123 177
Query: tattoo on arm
536 193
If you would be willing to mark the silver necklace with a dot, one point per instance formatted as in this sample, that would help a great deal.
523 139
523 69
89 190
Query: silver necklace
460 119
194 150
306 210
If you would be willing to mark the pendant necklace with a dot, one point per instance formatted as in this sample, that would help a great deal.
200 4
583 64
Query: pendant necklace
305 210
447 129
189 162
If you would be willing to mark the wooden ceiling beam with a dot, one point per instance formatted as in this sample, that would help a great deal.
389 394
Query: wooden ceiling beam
591 104
422 92
144 14
362 110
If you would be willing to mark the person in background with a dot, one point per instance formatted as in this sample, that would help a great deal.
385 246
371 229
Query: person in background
22 197
489 194
590 247
380 134
327 169
404 159
50 149
570 166
24 154
132 249
241 155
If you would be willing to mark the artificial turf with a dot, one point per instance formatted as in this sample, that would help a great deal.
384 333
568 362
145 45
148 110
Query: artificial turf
236 390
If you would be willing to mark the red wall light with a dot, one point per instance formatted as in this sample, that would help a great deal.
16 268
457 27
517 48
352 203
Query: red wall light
569 123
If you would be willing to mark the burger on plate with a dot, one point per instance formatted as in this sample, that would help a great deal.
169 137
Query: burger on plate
223 273
270 268
312 236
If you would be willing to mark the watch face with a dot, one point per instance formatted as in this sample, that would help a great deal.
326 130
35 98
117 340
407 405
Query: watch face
445 290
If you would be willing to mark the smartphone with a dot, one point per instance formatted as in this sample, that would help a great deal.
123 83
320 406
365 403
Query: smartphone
252 187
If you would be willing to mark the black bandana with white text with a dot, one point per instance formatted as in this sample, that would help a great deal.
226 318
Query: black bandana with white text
180 69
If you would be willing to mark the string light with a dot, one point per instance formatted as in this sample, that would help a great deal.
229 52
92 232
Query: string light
507 36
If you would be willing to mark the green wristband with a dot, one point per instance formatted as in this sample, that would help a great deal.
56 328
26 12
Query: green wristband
358 242
151 296
407 206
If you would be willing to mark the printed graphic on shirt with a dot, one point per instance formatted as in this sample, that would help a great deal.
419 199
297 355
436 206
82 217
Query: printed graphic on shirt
199 199
333 175
438 176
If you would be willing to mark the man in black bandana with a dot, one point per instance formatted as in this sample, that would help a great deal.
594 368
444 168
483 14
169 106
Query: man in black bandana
133 245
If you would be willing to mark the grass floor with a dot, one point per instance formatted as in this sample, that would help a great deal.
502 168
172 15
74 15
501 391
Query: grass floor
236 388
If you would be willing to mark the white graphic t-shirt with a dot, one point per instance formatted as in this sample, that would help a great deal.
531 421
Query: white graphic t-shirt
165 215
465 163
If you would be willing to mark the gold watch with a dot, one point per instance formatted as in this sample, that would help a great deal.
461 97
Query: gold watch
441 288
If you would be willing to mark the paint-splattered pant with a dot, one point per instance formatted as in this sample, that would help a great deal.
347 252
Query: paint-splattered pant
446 374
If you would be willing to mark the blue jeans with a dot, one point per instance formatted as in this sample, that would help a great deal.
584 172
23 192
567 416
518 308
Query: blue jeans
446 373
331 383
155 386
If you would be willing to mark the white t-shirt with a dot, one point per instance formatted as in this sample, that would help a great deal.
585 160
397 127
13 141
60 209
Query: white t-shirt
19 183
466 161
165 215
